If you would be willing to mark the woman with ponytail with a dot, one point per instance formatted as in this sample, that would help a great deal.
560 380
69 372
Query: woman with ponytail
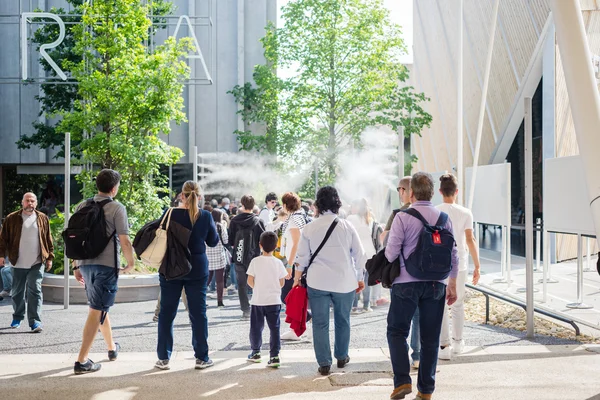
203 233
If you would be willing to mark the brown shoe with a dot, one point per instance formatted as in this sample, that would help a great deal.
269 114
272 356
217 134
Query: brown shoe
401 391
421 396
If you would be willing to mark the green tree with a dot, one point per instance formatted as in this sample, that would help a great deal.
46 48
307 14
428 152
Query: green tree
126 96
59 98
347 76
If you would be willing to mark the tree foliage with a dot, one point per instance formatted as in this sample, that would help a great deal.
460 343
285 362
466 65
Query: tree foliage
59 98
127 96
344 56
127 93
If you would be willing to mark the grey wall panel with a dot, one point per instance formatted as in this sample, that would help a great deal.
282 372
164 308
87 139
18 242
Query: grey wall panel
9 50
255 21
29 114
9 124
214 110
227 70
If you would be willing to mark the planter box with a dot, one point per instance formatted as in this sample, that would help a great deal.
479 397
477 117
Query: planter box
131 288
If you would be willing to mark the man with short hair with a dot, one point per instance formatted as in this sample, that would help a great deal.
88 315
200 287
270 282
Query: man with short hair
403 190
462 223
100 275
26 237
244 237
409 292
267 214
225 205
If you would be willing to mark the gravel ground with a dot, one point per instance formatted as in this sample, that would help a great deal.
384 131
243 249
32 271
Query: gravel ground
134 330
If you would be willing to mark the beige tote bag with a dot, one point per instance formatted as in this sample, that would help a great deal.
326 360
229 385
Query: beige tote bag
155 252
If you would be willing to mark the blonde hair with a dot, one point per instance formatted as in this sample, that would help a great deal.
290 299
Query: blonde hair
191 195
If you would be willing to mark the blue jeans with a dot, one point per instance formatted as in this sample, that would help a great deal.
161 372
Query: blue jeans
170 291
366 293
258 314
342 305
415 337
232 276
7 279
406 297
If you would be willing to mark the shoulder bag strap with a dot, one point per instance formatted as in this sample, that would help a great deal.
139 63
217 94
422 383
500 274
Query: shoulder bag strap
411 211
327 235
312 258
168 213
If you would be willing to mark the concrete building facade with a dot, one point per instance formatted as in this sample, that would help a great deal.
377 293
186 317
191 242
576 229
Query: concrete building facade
525 63
228 32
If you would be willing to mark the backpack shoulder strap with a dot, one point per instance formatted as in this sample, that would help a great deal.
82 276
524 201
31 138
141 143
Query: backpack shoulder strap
412 212
103 202
442 220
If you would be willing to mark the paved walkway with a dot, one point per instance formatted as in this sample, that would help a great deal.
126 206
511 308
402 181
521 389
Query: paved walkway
500 372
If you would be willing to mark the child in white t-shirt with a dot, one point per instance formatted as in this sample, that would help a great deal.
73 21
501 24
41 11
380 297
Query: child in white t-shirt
266 276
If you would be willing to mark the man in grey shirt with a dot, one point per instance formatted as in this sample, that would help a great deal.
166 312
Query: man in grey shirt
100 274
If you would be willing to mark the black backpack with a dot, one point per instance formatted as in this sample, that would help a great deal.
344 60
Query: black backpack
432 259
85 237
376 231
244 245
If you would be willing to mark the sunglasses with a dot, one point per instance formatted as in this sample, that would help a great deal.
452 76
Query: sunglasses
400 188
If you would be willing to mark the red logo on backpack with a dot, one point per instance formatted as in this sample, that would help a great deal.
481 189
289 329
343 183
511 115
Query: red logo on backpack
437 239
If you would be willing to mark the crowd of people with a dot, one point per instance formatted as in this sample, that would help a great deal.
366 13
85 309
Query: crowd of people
262 254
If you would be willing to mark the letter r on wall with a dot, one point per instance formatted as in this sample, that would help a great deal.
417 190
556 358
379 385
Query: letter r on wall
44 47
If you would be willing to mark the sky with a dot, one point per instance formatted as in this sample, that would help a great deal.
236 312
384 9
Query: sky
401 12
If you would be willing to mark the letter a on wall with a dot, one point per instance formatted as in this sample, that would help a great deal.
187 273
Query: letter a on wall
44 47
198 53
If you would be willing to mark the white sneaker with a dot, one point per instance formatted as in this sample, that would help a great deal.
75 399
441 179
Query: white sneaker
367 310
415 364
445 353
4 293
355 311
307 335
458 346
290 335
211 296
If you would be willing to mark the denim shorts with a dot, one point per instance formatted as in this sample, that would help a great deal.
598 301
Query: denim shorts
100 286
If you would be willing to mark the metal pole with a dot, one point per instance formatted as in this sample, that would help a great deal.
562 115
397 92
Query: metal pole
195 162
484 90
316 178
588 255
400 152
67 210
170 180
547 262
502 278
529 216
579 304
583 92
459 105
508 255
538 244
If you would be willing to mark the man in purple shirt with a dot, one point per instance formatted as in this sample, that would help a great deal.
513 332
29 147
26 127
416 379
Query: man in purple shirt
408 293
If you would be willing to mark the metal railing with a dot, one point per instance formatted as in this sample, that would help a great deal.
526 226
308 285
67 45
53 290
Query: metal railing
487 293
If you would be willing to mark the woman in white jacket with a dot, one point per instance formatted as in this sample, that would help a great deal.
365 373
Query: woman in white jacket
363 222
